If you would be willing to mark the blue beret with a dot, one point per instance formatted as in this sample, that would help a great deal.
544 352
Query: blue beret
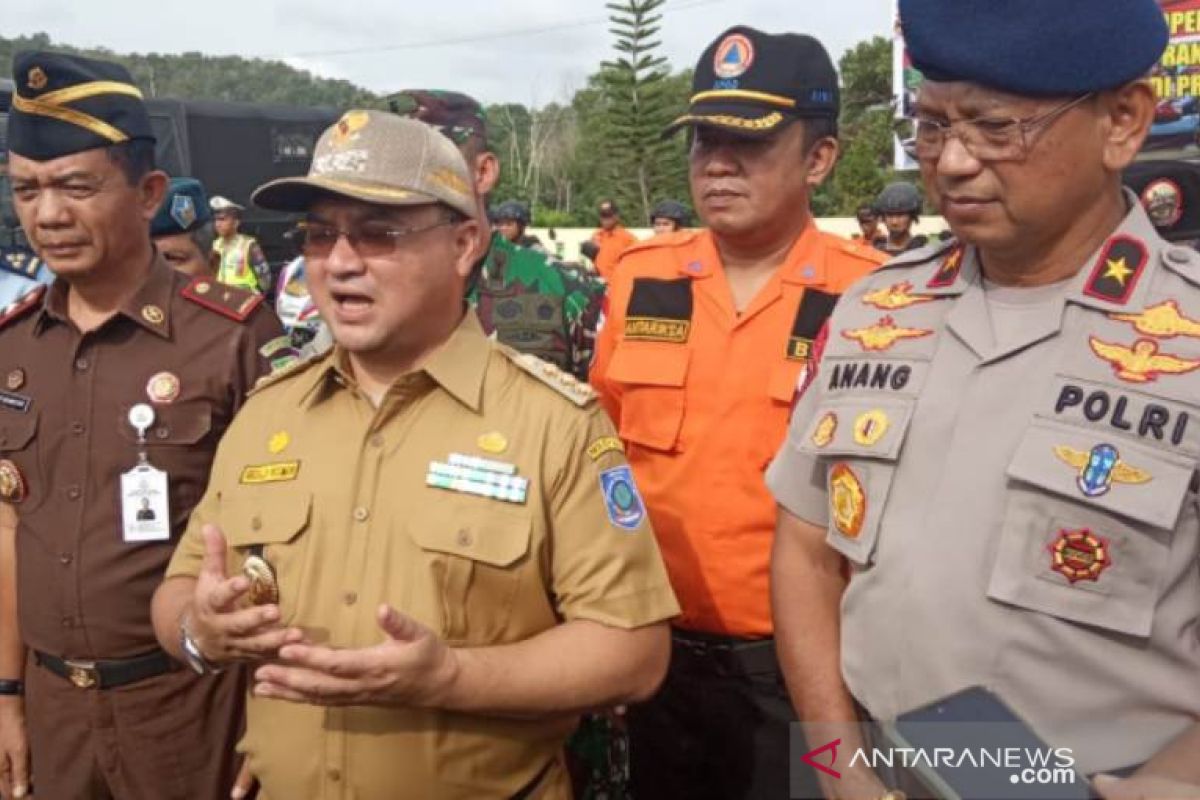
1034 47
185 208
65 104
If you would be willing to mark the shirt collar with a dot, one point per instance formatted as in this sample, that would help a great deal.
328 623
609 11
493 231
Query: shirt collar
458 366
805 262
148 307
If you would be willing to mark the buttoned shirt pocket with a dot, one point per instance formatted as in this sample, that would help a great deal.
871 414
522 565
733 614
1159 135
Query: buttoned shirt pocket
474 556
859 439
19 444
652 376
171 446
1088 527
272 526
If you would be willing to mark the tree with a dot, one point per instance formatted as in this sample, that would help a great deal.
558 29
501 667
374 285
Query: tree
866 130
636 105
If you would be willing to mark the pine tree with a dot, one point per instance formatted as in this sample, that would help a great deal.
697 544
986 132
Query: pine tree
637 105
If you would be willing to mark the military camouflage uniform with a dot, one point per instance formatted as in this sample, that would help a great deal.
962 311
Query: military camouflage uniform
536 304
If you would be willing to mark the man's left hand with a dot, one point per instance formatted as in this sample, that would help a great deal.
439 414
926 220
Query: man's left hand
1143 787
410 667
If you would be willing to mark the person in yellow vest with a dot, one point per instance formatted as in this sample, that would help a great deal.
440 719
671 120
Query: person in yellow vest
242 262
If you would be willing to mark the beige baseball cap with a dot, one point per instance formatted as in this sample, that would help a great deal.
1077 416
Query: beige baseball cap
377 157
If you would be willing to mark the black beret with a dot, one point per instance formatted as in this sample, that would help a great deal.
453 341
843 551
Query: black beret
1034 47
64 104
184 209
753 82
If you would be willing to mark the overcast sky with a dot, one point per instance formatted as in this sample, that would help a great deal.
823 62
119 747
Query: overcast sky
525 51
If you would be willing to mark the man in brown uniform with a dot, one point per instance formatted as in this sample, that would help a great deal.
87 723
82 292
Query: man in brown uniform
115 386
448 553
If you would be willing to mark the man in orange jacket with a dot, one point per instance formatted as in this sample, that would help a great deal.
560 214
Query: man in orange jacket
611 240
710 334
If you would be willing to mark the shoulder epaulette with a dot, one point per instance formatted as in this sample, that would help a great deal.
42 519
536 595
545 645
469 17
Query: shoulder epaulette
922 255
283 373
662 240
1183 261
19 308
228 301
21 263
579 393
856 248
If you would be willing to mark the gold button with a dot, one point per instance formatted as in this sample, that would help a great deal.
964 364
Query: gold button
350 598
361 514
464 537
81 364
74 493
335 775
256 523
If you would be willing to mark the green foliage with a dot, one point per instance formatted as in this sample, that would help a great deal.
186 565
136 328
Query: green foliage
866 130
194 76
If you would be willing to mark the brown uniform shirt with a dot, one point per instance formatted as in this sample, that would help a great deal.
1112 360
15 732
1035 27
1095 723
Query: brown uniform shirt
336 493
83 591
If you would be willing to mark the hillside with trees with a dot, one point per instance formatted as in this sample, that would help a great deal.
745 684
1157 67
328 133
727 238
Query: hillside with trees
563 157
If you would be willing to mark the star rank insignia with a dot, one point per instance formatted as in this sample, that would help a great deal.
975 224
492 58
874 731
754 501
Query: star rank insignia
883 335
1117 270
895 297
1163 321
1079 555
1143 362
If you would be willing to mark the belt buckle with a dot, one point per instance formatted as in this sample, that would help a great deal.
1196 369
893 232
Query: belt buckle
83 674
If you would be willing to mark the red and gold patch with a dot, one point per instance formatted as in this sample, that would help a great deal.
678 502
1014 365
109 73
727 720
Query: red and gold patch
13 488
1079 555
1163 321
947 273
1143 362
822 435
847 501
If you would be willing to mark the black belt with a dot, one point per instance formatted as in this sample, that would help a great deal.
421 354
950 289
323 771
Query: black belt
725 654
107 674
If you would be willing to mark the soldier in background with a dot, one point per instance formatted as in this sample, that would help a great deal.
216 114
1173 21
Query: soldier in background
669 216
523 297
182 229
899 204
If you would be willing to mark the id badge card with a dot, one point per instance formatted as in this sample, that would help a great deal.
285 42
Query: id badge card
145 508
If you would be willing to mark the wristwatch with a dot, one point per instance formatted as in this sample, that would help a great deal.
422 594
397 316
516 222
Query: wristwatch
10 687
192 654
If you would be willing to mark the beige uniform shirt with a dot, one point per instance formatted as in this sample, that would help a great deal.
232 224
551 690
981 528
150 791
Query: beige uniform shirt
1024 516
337 493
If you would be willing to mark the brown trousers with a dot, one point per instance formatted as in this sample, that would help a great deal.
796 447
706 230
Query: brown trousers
170 737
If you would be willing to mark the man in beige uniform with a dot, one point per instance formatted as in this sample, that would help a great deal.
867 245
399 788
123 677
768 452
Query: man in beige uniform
1003 433
448 551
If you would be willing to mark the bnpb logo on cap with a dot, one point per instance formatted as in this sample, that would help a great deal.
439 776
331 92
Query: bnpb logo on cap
734 56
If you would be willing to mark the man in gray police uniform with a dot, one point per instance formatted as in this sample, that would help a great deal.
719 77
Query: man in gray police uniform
1003 432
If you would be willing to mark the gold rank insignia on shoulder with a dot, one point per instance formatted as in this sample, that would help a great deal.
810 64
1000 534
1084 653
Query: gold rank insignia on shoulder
883 335
1162 321
1080 555
1142 362
895 297
1100 469
581 394
847 501
264 586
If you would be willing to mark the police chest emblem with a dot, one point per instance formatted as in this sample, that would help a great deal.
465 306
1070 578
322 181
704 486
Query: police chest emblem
823 434
883 335
870 427
1143 362
847 500
1100 469
1079 555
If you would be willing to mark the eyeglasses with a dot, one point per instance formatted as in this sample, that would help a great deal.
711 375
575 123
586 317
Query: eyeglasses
985 138
370 239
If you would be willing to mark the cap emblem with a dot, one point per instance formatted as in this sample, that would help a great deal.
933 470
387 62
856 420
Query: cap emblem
37 79
183 211
734 56
348 126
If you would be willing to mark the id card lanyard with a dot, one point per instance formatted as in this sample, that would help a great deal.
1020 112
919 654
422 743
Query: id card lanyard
145 506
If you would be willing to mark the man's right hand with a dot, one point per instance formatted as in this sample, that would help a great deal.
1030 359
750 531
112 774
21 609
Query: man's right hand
14 749
223 627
